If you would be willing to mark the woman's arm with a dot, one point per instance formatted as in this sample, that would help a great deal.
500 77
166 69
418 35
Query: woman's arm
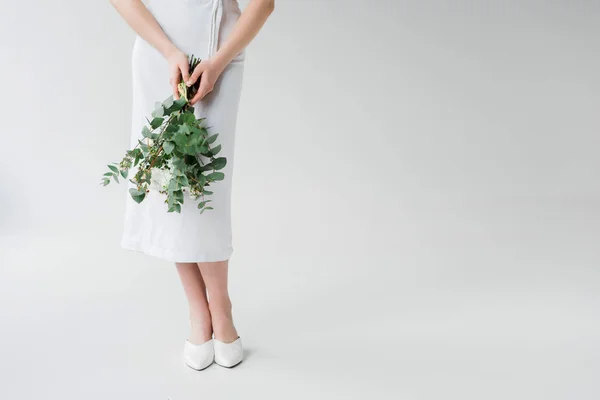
137 16
246 28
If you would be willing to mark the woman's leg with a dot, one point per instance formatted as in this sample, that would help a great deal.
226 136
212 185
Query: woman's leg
215 277
195 291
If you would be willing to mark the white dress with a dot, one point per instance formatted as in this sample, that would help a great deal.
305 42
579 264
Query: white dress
196 27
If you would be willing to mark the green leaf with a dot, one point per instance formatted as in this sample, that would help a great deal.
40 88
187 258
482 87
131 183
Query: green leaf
146 132
179 163
143 147
159 110
207 192
201 204
181 140
168 102
219 163
205 151
215 150
167 135
206 208
206 167
173 185
113 169
193 150
178 104
106 181
172 127
216 176
124 173
156 122
197 132
188 118
184 129
178 194
212 138
168 147
108 174
137 195
195 137
183 180
176 207
116 178
202 180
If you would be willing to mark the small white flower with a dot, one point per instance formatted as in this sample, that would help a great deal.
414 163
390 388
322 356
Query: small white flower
161 177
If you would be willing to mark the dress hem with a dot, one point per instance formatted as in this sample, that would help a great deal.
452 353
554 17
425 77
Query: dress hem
167 255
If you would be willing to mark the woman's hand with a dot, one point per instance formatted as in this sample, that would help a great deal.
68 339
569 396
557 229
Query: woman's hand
208 71
178 69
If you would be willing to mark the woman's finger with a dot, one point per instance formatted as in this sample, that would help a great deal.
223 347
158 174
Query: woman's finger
185 71
174 80
196 74
174 87
196 98
204 89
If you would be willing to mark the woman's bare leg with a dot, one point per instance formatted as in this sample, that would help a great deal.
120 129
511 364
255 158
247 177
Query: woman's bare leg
195 291
215 277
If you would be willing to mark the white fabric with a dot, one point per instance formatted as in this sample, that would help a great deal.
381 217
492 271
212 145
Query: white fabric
196 27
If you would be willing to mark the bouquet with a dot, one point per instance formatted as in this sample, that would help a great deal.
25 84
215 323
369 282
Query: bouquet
178 153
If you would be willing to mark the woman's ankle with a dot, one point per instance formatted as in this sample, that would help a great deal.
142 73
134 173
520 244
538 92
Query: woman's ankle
222 321
200 330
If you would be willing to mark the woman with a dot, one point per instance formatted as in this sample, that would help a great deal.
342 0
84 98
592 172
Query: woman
217 32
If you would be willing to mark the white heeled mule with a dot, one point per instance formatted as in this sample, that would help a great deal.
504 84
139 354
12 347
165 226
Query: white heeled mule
199 356
228 354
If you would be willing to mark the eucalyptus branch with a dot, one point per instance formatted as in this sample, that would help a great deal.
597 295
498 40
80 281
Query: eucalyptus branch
180 142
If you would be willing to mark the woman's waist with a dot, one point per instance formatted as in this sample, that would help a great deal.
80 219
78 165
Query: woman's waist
192 18
192 8
196 26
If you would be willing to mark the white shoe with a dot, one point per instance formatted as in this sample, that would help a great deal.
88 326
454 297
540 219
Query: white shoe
199 356
228 354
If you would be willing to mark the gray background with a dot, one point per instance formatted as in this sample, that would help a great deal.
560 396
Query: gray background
416 207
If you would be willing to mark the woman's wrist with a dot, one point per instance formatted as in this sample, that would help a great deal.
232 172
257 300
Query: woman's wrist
219 61
168 50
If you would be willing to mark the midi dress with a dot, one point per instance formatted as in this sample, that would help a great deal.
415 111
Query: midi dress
197 27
